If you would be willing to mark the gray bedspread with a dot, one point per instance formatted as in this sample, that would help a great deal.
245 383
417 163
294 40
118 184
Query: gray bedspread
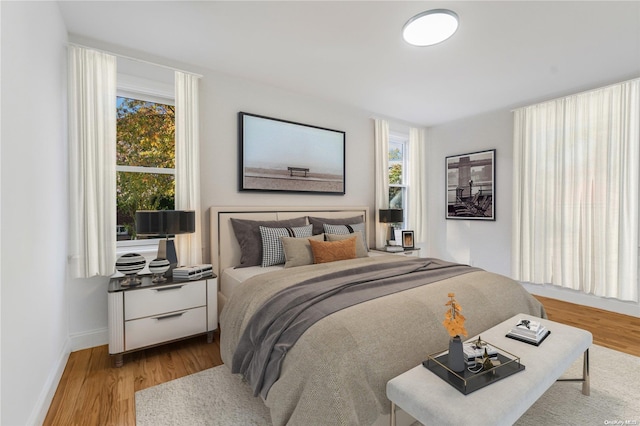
336 372
278 324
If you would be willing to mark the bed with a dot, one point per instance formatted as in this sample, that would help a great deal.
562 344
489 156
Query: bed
334 371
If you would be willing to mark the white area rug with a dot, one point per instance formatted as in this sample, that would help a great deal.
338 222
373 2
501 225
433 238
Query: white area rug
216 397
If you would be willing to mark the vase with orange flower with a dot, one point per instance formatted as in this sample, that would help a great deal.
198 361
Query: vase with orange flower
454 323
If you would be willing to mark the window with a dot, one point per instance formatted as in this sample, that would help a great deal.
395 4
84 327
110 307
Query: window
398 182
145 159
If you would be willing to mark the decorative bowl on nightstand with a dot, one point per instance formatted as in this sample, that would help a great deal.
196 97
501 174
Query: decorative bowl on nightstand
158 267
130 264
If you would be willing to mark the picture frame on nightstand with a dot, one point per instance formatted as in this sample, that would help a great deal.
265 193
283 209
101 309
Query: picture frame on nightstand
407 240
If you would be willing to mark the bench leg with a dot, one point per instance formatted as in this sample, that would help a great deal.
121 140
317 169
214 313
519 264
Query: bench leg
586 384
392 417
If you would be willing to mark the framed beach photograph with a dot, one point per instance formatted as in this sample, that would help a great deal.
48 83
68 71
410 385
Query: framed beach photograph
471 185
280 155
407 240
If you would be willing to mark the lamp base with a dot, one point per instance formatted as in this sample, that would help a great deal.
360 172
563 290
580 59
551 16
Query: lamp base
391 236
167 250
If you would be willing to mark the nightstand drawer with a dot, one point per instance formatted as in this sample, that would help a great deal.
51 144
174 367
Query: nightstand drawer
154 301
164 327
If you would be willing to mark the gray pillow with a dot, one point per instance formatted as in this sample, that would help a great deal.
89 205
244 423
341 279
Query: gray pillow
318 222
361 249
248 235
297 251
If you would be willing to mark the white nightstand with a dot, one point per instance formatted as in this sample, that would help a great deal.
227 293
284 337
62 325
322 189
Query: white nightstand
415 252
151 314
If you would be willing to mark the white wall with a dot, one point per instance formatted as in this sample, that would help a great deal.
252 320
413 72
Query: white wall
487 244
34 209
223 96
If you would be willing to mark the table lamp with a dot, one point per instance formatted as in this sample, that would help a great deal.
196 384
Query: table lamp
165 224
391 216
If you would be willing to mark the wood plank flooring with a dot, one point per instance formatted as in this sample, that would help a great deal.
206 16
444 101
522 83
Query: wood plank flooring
611 330
92 392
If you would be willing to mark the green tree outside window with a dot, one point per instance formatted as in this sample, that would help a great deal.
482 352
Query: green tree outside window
145 138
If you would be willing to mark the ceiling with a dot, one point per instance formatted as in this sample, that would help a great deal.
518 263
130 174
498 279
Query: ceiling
504 54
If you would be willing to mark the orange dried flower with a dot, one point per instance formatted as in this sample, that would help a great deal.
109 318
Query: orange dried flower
453 318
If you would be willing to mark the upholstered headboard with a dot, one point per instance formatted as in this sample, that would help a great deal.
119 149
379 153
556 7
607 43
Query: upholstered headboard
225 250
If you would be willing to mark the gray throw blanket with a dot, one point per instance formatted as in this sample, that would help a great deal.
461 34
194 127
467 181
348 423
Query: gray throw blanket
278 324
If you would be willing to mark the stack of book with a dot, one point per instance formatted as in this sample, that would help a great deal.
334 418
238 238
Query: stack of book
473 351
528 331
193 272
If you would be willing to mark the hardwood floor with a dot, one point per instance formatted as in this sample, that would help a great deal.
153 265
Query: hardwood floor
92 392
611 330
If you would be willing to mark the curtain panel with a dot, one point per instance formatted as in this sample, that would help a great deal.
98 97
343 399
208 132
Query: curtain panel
417 197
575 212
92 153
381 135
188 246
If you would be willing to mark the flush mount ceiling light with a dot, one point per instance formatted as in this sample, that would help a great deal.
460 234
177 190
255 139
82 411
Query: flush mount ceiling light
430 27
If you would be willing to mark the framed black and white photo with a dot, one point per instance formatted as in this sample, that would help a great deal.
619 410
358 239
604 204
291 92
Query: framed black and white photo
471 185
281 155
407 240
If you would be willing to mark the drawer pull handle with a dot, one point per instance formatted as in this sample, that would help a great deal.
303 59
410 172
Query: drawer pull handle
179 314
177 287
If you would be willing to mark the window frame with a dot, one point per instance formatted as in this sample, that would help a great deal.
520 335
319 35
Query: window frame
148 91
401 139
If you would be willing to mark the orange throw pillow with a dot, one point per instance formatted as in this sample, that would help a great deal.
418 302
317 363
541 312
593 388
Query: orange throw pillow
330 251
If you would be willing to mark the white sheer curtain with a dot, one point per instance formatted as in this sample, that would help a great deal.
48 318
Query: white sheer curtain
381 135
417 192
92 153
188 246
576 171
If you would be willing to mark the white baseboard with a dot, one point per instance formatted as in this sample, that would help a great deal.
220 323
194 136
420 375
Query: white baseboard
573 296
41 407
89 339
74 343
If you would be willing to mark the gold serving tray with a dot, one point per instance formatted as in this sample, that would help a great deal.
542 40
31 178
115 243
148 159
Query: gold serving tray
468 381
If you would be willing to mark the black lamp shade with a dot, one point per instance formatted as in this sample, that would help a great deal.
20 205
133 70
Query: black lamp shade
390 215
165 222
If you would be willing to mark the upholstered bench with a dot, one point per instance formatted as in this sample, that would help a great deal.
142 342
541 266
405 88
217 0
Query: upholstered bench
431 400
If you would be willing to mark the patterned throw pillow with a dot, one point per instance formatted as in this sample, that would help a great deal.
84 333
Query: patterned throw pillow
331 251
272 250
319 222
347 229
